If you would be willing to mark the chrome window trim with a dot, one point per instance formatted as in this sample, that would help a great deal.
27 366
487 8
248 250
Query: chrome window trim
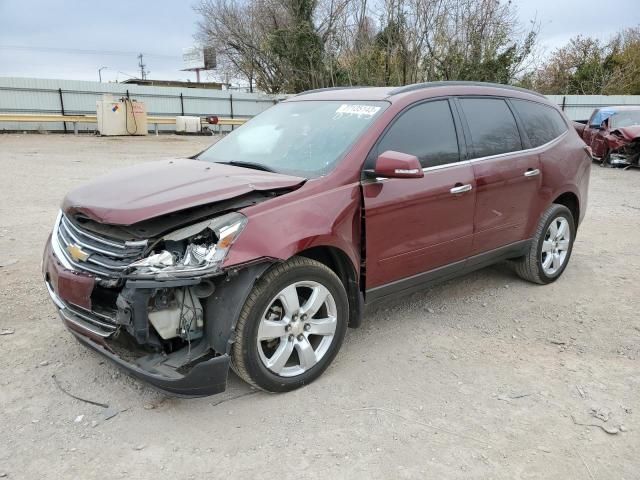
500 155
446 165
528 150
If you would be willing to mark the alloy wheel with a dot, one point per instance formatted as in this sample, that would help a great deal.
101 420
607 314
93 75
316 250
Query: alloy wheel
297 328
555 246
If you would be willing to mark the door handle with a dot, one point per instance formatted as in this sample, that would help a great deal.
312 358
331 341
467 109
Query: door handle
532 172
458 189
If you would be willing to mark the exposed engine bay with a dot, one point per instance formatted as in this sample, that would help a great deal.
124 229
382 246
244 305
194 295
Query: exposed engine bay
613 136
164 303
627 155
178 313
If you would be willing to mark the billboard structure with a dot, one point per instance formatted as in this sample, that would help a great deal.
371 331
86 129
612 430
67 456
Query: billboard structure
196 59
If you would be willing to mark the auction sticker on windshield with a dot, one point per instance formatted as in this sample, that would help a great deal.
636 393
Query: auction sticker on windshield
366 111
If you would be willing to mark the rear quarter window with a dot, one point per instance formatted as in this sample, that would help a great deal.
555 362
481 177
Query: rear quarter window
541 123
492 126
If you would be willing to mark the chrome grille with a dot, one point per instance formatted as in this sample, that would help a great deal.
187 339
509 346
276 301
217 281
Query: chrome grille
101 323
107 257
96 322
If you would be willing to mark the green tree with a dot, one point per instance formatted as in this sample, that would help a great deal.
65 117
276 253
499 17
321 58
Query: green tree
299 48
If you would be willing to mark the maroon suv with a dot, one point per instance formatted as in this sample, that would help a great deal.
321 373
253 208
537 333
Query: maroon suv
259 252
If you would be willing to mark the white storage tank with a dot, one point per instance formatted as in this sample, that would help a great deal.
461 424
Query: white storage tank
187 124
121 116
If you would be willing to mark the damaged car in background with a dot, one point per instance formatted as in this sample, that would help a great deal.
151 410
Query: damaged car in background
613 133
258 253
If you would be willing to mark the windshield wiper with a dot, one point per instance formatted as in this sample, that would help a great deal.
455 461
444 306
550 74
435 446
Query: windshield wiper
255 166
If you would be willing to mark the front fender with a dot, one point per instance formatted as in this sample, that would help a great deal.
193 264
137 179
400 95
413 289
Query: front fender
328 218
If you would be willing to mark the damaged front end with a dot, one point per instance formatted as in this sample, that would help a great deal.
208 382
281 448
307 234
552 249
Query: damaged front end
624 149
627 156
163 308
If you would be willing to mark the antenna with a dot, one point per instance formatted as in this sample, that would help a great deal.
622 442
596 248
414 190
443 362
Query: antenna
143 72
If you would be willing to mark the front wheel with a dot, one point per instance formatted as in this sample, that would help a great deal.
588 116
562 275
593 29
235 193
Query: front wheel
550 248
291 326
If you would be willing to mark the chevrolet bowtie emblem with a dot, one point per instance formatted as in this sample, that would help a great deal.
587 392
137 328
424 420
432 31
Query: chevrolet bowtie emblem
77 253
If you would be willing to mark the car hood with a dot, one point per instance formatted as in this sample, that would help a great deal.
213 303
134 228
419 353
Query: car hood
630 133
149 190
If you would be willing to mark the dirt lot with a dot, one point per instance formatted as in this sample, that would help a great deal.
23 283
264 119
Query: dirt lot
483 377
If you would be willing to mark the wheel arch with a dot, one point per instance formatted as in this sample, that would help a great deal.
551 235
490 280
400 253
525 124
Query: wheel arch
340 263
571 201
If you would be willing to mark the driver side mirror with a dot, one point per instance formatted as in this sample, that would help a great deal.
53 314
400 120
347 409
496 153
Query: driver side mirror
392 164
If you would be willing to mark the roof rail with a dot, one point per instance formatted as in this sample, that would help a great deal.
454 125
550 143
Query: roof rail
327 89
420 86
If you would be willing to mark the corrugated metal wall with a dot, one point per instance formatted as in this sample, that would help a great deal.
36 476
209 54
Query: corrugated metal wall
34 95
580 107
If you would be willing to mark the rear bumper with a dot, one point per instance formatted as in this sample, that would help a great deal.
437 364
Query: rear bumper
166 373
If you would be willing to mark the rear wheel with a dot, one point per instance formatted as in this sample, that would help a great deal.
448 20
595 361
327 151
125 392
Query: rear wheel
291 326
550 248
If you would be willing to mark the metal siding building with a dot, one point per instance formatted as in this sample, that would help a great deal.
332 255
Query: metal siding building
31 95
580 107
34 95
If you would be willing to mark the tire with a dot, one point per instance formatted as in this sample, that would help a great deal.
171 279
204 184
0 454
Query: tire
269 310
531 267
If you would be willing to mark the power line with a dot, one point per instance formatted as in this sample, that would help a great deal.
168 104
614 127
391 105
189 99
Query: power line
80 51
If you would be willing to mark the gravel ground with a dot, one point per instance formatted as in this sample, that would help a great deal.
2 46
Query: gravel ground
485 376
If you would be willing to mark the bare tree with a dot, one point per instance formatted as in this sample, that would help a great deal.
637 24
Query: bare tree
589 66
473 40
237 30
292 45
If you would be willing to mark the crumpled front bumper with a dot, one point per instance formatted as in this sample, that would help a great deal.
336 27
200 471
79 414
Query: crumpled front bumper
70 291
205 378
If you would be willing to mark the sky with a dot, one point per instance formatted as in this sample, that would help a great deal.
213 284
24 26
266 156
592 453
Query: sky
72 39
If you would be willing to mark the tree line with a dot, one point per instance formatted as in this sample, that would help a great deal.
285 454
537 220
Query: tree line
288 46
589 66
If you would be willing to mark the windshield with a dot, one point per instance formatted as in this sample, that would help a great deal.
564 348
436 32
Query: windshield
625 119
305 138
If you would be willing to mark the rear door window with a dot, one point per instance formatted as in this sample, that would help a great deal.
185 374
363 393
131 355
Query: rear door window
492 126
541 123
427 131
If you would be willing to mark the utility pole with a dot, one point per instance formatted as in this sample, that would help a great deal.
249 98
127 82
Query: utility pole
100 73
143 72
